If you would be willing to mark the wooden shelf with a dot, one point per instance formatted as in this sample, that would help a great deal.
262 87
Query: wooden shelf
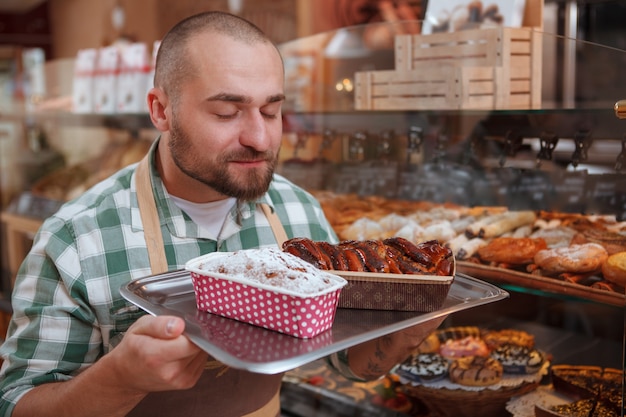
543 284
20 231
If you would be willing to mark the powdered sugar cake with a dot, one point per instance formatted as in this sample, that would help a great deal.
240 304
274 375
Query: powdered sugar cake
268 288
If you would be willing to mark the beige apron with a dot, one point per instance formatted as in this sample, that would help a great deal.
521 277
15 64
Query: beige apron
221 391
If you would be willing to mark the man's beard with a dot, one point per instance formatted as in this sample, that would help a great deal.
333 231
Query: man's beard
249 186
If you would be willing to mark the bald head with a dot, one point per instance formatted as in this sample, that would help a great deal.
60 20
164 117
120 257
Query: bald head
173 65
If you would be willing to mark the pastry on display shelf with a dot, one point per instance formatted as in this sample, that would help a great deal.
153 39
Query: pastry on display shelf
460 348
513 349
69 182
553 251
424 367
593 391
476 371
614 269
485 369
518 359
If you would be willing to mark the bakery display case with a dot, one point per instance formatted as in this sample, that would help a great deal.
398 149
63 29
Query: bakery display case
467 138
463 137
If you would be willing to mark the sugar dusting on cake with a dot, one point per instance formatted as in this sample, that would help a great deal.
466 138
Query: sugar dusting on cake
271 266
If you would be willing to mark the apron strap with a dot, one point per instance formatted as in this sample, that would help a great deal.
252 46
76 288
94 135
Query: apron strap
275 224
150 217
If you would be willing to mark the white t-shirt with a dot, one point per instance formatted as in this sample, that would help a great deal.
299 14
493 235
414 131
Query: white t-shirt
209 216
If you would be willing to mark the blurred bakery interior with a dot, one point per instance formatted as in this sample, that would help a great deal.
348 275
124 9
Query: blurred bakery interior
392 137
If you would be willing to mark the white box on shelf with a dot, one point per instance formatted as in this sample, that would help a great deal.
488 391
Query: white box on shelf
133 78
83 82
105 80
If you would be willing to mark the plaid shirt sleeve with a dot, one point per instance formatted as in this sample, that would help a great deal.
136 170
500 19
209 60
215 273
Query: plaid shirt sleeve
57 323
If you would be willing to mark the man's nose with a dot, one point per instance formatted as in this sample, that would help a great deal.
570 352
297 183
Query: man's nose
254 132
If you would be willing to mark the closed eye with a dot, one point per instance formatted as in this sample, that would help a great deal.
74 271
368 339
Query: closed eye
227 116
272 110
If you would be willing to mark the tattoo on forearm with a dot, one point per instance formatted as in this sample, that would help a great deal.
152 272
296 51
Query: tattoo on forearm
376 365
379 353
373 371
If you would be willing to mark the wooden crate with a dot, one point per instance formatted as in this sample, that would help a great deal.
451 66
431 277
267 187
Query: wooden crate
447 87
427 89
494 68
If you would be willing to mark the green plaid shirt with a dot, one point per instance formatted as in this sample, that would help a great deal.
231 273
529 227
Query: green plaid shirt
67 308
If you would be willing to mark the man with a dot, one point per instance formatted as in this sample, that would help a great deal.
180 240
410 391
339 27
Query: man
217 103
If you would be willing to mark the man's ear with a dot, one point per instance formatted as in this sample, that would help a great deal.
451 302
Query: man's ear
157 103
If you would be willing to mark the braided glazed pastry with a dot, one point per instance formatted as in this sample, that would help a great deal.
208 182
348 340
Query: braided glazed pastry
393 255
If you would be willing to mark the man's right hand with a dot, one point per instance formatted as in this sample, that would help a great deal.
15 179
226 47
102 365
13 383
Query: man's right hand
154 355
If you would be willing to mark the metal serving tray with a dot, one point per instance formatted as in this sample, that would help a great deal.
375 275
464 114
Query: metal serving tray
256 349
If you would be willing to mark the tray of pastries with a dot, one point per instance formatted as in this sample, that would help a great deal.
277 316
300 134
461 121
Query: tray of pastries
257 349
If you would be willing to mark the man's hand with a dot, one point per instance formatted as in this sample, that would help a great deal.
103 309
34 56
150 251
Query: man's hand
154 355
